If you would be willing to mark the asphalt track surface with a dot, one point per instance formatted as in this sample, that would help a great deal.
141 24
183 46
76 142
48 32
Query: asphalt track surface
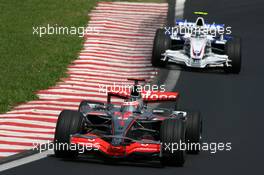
231 105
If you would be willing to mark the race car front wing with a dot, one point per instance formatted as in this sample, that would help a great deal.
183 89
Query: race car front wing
210 60
99 144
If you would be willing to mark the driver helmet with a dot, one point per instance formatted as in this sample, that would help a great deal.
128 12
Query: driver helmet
130 106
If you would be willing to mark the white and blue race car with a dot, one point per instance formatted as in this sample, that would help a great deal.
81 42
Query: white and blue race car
197 45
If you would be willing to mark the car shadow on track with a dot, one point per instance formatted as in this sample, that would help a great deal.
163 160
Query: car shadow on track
111 162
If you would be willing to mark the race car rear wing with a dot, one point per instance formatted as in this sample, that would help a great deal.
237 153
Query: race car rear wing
158 96
147 96
185 23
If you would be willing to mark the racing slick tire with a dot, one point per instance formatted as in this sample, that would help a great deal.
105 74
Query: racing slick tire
193 132
172 134
233 50
69 122
162 42
85 103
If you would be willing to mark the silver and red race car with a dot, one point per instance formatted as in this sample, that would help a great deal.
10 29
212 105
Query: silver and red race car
132 131
197 45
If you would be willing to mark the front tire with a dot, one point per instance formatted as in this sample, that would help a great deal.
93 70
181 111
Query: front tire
233 50
69 122
172 133
162 42
194 131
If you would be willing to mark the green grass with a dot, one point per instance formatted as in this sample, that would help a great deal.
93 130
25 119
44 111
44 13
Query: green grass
29 63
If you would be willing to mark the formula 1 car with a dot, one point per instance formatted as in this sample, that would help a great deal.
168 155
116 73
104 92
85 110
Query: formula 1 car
132 131
197 45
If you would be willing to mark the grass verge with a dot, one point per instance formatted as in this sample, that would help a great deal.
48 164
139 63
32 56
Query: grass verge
29 63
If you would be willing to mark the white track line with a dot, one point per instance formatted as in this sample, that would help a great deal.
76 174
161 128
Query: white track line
24 160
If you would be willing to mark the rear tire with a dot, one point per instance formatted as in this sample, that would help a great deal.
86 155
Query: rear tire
162 42
172 132
233 50
194 131
69 122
